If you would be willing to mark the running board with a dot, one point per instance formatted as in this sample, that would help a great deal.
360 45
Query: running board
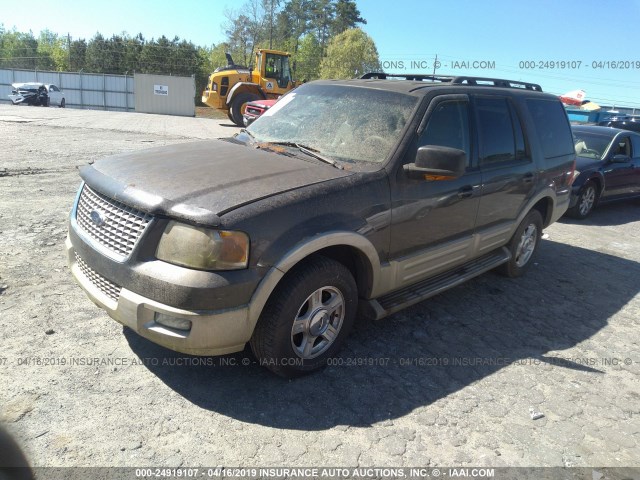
380 307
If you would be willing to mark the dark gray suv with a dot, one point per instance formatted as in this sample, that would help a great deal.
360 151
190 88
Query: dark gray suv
347 198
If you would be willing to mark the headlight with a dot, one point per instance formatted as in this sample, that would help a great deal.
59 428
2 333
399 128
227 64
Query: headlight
203 248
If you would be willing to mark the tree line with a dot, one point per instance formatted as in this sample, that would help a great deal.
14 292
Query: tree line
322 36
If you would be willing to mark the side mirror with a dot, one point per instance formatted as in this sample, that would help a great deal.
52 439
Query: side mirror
620 159
439 163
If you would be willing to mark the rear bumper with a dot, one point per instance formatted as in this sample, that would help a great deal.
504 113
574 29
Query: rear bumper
212 332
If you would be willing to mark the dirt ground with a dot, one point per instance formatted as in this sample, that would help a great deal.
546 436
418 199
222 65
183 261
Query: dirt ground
451 381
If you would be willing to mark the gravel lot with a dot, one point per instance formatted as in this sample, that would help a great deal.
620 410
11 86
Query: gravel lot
450 381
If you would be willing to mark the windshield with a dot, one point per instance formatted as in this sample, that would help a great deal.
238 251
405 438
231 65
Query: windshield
348 124
591 145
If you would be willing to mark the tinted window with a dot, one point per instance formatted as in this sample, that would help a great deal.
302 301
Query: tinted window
550 120
521 151
495 130
623 147
635 146
448 127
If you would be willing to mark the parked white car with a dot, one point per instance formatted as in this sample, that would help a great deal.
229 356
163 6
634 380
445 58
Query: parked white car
33 93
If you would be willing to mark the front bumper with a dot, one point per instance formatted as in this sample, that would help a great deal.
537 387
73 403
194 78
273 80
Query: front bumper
575 195
213 332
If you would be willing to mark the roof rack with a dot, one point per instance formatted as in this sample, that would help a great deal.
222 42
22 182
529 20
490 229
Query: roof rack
455 80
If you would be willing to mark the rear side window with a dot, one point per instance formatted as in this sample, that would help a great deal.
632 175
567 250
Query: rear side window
550 120
635 146
496 131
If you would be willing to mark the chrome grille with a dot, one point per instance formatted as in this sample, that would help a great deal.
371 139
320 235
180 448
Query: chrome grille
110 289
121 225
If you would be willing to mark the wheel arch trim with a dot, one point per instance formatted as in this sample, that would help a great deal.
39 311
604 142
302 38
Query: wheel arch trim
302 251
242 87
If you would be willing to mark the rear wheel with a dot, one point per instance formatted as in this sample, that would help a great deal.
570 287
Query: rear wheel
62 104
238 105
586 201
307 319
523 245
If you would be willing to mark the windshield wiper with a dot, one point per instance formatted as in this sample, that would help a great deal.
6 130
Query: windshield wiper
312 152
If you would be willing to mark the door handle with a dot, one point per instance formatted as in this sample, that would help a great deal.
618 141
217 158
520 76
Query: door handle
465 192
528 177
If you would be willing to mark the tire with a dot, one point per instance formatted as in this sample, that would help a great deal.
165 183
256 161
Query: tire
45 102
238 105
306 319
230 114
523 245
587 201
62 104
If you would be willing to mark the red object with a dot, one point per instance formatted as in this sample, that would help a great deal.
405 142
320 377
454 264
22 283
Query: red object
575 97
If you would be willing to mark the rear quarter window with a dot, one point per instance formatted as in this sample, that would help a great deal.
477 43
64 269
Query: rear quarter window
552 125
635 146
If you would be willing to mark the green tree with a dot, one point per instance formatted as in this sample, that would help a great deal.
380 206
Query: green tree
322 16
308 58
132 51
155 56
96 54
350 54
347 16
293 22
216 56
184 58
18 50
51 52
270 7
240 38
77 52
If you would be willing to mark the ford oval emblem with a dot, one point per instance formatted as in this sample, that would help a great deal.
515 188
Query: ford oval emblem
97 217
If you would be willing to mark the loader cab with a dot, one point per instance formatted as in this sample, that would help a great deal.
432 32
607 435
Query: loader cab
275 71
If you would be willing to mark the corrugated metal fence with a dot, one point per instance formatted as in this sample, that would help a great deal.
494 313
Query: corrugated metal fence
82 90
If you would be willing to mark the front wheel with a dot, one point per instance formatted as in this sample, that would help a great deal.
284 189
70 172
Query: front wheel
586 201
307 319
523 245
238 106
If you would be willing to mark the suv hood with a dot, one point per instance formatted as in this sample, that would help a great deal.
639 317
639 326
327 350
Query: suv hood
201 180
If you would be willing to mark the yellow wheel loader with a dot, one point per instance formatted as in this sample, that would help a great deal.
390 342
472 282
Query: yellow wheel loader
231 87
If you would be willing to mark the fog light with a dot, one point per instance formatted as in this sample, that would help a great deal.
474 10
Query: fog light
173 322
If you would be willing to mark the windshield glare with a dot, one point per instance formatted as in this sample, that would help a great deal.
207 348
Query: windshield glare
344 123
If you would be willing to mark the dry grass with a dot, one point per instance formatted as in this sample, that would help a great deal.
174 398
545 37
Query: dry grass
208 112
